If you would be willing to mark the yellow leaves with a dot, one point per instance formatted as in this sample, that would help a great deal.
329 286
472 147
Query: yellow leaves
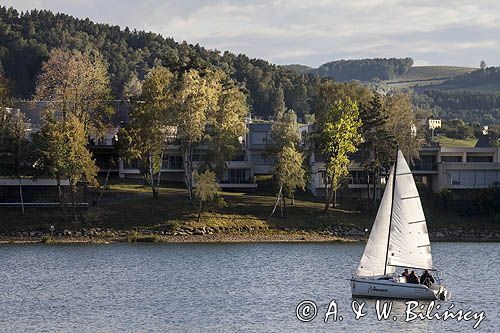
63 152
206 185
76 83
338 136
289 169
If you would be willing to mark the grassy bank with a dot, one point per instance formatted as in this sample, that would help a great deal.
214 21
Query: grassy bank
129 206
453 143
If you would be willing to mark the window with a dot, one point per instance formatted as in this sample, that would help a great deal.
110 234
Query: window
132 164
491 177
258 138
258 158
174 162
451 159
237 176
479 158
238 156
468 178
454 178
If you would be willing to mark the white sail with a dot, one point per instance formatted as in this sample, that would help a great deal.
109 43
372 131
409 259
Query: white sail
373 260
409 240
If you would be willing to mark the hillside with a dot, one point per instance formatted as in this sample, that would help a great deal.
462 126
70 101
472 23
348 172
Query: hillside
357 69
27 38
483 80
427 75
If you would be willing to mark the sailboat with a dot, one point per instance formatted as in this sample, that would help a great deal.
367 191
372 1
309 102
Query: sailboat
398 239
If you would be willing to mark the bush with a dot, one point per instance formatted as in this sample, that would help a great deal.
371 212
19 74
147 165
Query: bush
47 239
134 237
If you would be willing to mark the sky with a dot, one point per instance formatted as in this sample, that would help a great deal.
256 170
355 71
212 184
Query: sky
310 32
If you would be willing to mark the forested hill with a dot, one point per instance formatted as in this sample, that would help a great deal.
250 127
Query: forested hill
362 70
27 38
485 80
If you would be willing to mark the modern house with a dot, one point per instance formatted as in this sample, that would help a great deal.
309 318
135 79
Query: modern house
459 168
238 174
437 167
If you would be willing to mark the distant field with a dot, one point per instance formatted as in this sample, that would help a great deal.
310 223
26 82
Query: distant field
460 86
428 75
452 143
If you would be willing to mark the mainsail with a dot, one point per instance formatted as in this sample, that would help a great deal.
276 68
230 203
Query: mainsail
409 242
406 231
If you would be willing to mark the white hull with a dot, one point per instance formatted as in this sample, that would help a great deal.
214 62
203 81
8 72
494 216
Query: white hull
379 288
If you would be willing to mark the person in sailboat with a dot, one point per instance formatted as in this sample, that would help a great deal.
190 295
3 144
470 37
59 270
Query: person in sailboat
405 274
426 279
412 278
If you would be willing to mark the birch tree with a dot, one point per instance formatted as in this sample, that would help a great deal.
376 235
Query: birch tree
227 126
288 167
76 83
197 101
206 188
61 153
152 120
14 148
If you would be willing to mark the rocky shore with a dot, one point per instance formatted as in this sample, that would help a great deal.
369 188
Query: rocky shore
215 234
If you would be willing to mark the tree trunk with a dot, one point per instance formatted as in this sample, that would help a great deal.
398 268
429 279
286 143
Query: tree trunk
276 203
61 199
284 214
293 199
104 187
334 198
199 211
151 176
21 194
329 197
78 207
188 174
73 201
159 177
368 182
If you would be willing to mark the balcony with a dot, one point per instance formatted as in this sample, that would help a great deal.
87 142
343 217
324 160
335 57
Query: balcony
423 166
237 183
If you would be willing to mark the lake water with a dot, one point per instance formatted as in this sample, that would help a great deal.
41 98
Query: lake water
220 288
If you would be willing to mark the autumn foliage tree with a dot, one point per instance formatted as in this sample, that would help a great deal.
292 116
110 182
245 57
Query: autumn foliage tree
152 120
76 83
288 167
206 188
337 138
61 153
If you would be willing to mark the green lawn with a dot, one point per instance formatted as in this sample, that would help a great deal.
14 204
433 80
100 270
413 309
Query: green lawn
428 75
455 143
130 205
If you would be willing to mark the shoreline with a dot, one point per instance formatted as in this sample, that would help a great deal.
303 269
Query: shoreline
268 236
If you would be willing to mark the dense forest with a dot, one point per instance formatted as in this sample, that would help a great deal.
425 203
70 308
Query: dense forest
27 38
467 105
486 79
362 70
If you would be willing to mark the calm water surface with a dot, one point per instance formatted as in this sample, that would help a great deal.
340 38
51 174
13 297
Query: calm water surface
218 287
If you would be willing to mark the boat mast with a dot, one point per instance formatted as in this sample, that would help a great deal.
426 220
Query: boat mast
392 208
